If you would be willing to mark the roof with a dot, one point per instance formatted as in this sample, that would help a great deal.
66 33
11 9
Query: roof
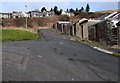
103 16
6 13
111 15
118 24
80 21
83 21
63 22
97 23
93 20
36 11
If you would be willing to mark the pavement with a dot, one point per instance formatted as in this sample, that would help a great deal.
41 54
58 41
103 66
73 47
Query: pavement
53 57
97 45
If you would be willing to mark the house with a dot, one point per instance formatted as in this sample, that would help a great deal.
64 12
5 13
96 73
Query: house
36 14
68 13
5 15
20 14
16 14
41 14
50 13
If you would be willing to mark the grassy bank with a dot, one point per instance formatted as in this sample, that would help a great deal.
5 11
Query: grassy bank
17 35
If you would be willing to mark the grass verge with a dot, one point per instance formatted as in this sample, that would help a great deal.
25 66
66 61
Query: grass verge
116 54
84 42
17 35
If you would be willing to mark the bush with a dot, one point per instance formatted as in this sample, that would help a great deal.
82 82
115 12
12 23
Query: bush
90 15
20 22
64 18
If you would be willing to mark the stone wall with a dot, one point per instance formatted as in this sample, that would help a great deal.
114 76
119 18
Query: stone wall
103 32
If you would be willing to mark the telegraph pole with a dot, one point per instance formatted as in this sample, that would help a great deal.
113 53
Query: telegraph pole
26 16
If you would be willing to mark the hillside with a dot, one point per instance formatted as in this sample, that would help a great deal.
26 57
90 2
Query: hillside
109 11
48 21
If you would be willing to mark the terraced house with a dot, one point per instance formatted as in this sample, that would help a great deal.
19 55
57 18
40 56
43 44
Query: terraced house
41 14
5 15
35 14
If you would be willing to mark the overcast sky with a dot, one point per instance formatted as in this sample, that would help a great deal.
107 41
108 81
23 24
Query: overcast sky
20 6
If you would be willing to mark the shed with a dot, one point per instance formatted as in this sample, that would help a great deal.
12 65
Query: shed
63 26
82 28
118 25
103 32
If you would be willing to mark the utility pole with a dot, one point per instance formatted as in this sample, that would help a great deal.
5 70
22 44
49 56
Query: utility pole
26 16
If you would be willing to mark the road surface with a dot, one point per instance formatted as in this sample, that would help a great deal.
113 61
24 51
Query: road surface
56 58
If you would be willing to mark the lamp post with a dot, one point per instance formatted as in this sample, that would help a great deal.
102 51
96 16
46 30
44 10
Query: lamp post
26 16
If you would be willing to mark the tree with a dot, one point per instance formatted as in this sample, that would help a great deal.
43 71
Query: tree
57 12
81 10
43 9
51 9
87 8
67 10
55 9
76 10
71 10
61 11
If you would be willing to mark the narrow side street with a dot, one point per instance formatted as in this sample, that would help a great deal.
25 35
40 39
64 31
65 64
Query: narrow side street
56 58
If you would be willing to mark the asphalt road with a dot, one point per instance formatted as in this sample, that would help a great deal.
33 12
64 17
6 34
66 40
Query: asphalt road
56 58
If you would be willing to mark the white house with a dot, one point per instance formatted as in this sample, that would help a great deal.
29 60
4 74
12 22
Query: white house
20 14
42 14
5 15
36 14
50 13
68 13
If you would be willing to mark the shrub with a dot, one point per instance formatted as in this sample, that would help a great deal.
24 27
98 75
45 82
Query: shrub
20 22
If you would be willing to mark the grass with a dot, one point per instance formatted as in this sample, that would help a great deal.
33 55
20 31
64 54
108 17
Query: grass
17 35
82 42
116 54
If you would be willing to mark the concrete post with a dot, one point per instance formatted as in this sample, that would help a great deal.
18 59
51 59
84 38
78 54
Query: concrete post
62 27
56 26
73 30
118 35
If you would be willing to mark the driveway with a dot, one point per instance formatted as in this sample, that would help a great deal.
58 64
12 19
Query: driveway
56 58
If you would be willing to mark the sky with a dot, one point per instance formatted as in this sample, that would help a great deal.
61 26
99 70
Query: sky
20 6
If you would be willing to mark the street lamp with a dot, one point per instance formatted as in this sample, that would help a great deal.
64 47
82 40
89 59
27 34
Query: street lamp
26 16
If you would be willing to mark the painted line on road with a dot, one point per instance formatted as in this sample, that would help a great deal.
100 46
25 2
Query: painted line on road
103 50
39 56
61 42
